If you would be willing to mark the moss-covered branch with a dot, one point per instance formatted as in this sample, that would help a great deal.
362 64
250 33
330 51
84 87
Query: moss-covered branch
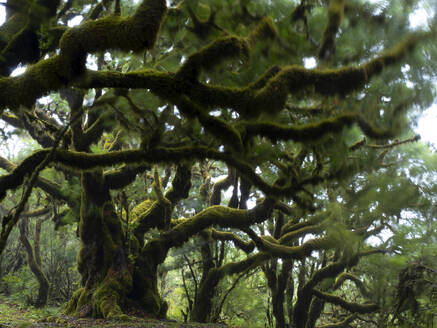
202 309
152 214
291 236
305 293
19 42
294 225
123 176
219 128
134 33
11 220
246 246
85 162
276 249
35 267
248 101
222 216
52 188
225 48
352 307
348 276
312 131
37 212
37 126
222 185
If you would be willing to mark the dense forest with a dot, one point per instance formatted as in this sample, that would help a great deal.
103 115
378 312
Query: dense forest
248 163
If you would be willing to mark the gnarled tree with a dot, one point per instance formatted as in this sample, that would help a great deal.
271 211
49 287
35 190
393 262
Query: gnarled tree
175 84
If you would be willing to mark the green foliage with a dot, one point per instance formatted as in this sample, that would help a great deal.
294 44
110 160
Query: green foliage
317 166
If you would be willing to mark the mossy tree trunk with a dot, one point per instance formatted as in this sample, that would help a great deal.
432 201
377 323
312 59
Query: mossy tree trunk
202 309
203 302
119 274
103 260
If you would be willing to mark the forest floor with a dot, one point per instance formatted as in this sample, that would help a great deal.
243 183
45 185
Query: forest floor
16 316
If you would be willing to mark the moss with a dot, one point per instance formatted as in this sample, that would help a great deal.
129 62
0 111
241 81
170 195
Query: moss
80 303
312 131
220 185
135 33
265 78
225 48
110 295
16 177
145 280
348 276
224 131
13 25
88 162
274 248
253 100
140 209
157 216
72 303
291 236
246 246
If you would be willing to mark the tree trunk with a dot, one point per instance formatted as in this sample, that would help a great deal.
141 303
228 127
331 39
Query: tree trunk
113 280
145 292
202 309
34 263
102 262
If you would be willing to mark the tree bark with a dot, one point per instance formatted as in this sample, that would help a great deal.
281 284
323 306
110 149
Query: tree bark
34 262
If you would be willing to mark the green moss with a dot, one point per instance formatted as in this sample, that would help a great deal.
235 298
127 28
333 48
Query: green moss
141 208
157 215
80 303
226 48
135 33
246 246
16 177
110 295
219 128
72 303
313 131
145 290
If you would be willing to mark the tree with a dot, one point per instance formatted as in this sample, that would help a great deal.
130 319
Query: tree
175 85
